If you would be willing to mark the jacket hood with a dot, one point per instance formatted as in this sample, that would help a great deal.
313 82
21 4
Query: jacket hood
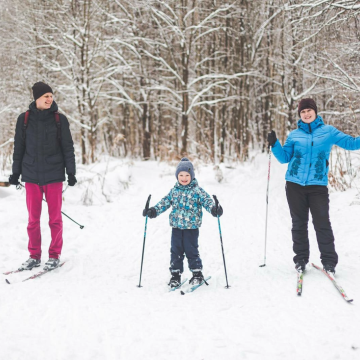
309 128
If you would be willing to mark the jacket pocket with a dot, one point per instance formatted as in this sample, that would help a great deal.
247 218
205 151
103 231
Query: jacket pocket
54 159
28 159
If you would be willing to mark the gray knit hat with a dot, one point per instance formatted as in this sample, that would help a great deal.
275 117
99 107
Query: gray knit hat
185 165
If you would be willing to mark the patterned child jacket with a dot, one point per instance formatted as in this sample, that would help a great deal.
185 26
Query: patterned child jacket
307 150
187 202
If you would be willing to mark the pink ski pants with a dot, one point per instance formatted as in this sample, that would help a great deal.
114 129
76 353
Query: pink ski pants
53 197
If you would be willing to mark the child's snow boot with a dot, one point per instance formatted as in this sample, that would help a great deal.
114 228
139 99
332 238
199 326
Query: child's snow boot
175 280
197 278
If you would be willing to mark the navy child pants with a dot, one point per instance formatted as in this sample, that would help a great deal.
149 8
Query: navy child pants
184 242
315 198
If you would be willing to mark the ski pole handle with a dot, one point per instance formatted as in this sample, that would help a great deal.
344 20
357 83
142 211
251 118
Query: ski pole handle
147 203
216 202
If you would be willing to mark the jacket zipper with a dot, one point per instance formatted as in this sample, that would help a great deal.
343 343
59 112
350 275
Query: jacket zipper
311 151
37 146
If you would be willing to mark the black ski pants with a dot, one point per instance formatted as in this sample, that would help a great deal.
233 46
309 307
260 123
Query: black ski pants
184 242
315 198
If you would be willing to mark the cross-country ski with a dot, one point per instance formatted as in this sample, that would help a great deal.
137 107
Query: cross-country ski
335 283
299 283
192 288
38 274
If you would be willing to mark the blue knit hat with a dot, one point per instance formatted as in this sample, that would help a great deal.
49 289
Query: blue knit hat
185 165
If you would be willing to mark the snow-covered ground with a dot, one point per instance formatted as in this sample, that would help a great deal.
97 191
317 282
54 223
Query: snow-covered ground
91 308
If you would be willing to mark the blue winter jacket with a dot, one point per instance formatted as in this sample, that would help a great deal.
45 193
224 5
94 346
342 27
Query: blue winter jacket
307 150
187 202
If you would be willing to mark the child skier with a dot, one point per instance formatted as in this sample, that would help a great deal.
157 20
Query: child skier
187 200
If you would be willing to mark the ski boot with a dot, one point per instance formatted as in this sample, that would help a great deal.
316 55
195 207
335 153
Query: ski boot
29 264
175 280
330 269
300 266
197 277
52 264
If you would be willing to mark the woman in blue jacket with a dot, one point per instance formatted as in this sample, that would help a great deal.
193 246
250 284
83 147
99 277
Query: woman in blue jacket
307 150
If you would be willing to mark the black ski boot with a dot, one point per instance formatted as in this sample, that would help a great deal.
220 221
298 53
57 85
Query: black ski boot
175 280
300 266
197 277
330 269
29 264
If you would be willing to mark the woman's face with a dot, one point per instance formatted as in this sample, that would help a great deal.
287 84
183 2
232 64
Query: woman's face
307 115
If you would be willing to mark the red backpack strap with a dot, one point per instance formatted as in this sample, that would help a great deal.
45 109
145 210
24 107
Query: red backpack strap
58 126
26 117
25 124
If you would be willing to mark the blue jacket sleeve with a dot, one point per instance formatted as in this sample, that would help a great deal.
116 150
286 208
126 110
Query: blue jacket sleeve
164 203
284 153
344 141
205 200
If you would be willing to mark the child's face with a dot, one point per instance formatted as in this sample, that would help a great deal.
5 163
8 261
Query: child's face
184 178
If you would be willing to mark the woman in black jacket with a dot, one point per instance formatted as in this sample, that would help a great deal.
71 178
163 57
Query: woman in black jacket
43 151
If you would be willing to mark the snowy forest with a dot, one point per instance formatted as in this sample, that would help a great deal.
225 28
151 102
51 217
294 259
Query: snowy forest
157 80
144 83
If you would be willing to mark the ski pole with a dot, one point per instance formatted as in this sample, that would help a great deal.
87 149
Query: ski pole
146 219
267 206
222 247
81 226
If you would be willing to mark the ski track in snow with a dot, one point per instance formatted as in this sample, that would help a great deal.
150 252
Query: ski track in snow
91 308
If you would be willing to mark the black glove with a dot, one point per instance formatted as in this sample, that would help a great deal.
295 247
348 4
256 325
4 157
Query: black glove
14 179
71 180
272 138
215 212
151 213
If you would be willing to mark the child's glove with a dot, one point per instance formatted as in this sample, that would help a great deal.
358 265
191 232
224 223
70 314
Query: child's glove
151 213
215 212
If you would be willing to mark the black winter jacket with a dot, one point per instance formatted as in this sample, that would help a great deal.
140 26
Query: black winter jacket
40 159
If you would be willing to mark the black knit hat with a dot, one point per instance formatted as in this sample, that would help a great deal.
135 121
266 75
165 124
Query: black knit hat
307 104
40 88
